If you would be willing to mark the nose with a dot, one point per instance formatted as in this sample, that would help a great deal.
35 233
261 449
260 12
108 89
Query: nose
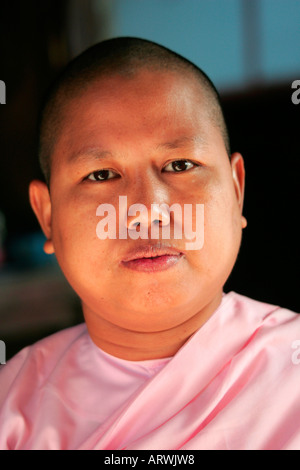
144 217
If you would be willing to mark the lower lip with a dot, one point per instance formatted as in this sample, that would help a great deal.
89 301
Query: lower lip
150 265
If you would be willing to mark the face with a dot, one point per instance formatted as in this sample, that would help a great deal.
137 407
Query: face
148 138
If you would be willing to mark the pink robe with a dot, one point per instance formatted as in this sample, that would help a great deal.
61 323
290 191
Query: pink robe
235 384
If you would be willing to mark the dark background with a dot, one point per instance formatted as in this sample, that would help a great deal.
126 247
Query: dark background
35 43
264 127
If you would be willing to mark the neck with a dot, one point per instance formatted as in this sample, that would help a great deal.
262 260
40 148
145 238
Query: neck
135 345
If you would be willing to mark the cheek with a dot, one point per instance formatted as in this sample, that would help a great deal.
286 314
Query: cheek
222 227
73 225
74 235
86 261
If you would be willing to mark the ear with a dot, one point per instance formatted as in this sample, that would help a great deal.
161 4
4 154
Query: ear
238 175
41 205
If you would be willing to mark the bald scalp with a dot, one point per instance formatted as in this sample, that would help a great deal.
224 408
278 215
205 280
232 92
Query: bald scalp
123 57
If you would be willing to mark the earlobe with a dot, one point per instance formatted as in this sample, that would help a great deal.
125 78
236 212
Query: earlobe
244 222
238 175
41 205
48 247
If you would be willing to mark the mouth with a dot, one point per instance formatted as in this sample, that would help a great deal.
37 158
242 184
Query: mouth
152 258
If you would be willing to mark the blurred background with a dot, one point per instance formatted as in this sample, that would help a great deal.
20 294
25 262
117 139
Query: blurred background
249 48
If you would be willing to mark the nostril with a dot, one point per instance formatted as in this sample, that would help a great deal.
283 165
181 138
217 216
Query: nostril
134 224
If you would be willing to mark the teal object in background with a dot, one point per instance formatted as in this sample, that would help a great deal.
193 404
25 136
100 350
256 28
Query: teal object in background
237 42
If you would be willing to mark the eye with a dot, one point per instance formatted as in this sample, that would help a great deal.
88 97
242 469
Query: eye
101 175
179 166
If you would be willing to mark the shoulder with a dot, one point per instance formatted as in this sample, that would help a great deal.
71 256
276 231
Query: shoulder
258 311
36 361
268 331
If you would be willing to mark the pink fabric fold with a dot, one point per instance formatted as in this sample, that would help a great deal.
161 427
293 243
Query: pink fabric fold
233 385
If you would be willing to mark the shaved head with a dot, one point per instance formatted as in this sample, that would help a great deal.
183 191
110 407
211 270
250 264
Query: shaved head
123 57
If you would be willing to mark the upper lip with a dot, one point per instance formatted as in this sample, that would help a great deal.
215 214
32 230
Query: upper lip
151 251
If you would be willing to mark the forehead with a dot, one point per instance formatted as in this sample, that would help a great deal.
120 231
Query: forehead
154 88
151 109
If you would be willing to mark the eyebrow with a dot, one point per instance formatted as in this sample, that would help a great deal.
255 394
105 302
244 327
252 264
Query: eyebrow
96 153
89 153
182 142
